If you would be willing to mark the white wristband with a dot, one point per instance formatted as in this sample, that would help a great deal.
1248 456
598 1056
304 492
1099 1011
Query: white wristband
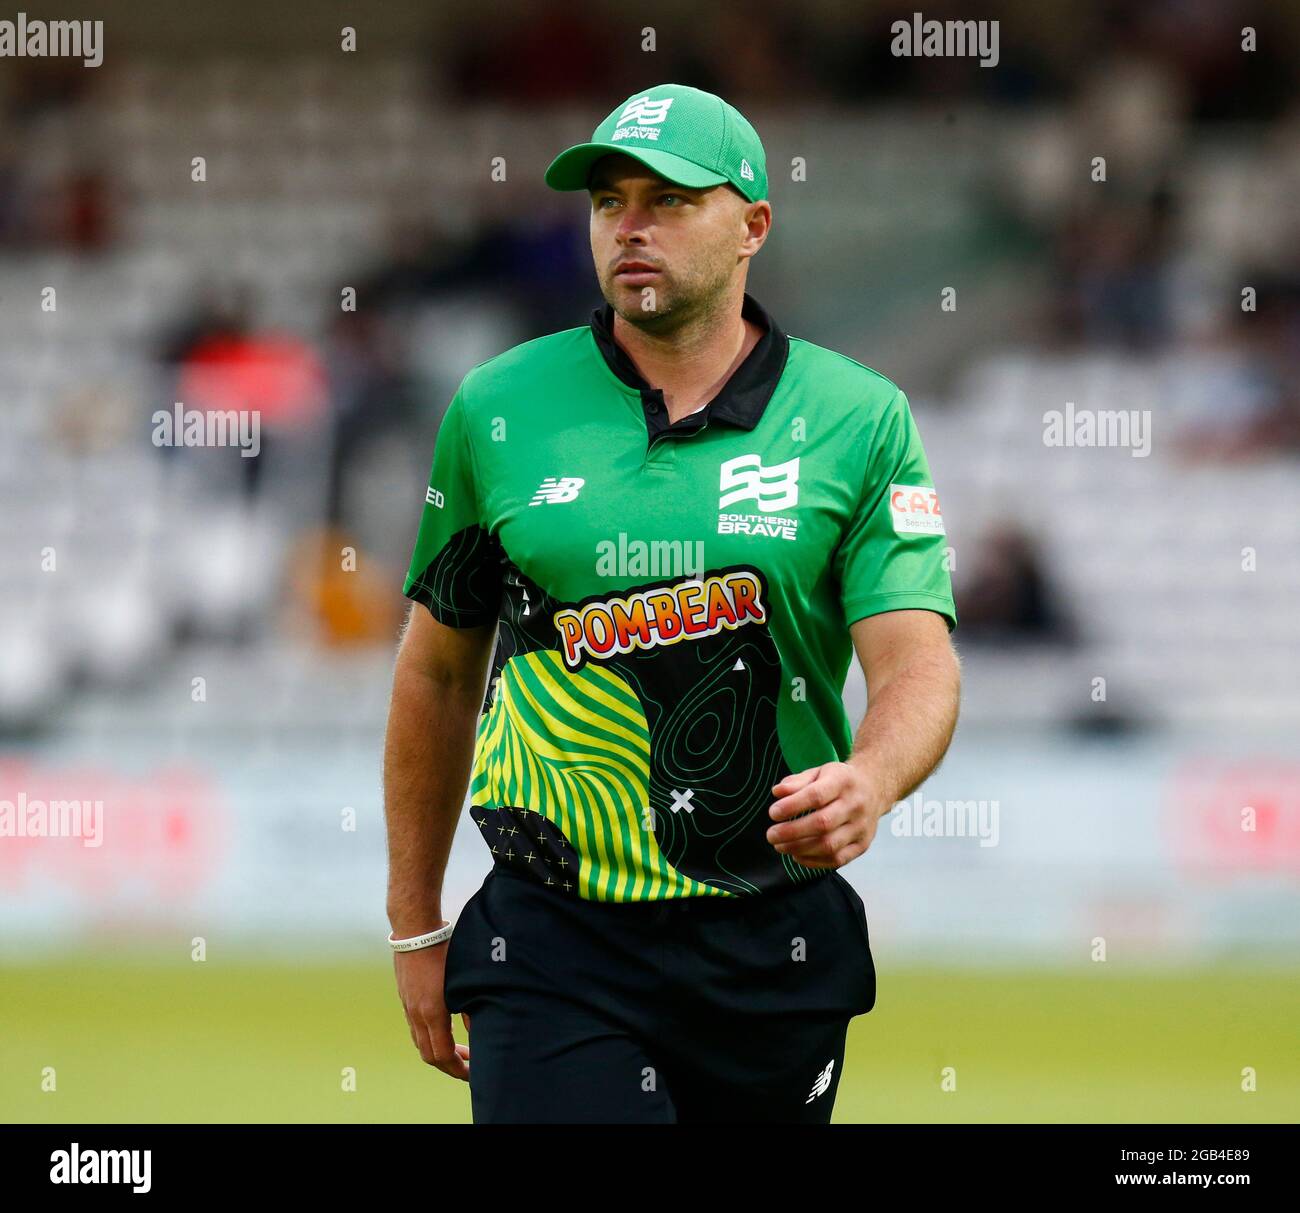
427 940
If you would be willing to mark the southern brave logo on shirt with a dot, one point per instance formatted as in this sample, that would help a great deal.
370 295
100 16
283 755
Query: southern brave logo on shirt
772 489
556 490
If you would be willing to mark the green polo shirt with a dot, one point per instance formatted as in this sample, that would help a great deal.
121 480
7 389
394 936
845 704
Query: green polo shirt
672 601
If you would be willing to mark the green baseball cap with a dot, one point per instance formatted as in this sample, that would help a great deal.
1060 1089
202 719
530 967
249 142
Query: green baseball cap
683 134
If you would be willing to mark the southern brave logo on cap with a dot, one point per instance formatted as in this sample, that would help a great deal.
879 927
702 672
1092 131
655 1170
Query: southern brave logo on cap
644 112
746 171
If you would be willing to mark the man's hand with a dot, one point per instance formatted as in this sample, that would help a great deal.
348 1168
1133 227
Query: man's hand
841 809
419 986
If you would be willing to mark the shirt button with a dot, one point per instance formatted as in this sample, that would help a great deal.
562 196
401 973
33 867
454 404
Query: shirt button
653 406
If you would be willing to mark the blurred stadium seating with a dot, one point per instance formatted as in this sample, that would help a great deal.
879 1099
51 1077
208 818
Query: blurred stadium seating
327 171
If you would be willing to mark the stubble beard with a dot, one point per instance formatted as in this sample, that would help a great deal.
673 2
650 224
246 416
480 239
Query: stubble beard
674 307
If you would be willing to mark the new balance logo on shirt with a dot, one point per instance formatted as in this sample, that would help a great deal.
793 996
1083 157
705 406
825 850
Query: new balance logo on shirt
554 490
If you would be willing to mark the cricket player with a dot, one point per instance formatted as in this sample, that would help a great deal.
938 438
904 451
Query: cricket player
649 547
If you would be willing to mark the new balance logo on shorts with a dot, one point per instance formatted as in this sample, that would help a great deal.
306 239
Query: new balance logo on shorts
822 1083
555 490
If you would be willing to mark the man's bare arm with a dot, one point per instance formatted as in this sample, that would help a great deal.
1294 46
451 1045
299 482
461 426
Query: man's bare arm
913 695
438 686
827 815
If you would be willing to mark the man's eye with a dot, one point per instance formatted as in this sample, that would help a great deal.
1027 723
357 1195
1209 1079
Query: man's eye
675 197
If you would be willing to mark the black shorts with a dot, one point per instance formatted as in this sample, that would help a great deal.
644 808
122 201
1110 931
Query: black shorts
697 1009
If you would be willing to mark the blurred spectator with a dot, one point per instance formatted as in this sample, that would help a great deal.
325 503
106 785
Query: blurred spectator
78 214
537 262
1112 272
340 606
1226 83
372 394
222 309
553 53
1256 409
75 211
39 86
11 193
223 364
1008 599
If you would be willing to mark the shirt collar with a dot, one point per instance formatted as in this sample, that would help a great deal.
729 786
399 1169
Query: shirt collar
745 394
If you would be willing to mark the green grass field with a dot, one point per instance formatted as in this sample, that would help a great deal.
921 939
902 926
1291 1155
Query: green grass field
133 1041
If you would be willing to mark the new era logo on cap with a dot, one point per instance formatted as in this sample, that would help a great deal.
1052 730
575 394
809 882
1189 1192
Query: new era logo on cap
746 171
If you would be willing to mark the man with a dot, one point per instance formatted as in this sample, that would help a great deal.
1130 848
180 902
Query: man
666 530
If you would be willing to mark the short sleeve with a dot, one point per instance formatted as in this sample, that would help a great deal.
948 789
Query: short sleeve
893 554
456 567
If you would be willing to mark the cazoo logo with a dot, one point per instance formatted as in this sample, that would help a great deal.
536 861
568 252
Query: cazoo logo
915 510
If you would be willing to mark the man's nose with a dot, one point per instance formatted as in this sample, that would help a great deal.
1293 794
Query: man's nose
632 226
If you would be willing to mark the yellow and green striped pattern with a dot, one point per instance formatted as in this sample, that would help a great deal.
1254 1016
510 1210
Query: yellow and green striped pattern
574 747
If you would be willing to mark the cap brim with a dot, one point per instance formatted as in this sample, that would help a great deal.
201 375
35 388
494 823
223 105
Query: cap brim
568 171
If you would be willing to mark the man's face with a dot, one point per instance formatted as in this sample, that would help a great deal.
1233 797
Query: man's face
694 241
